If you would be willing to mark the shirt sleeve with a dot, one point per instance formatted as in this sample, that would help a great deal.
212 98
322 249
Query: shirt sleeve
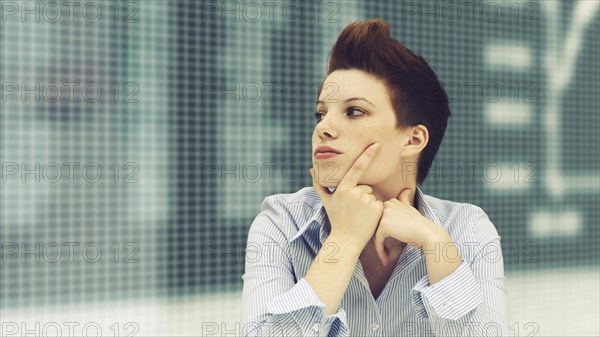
472 300
273 304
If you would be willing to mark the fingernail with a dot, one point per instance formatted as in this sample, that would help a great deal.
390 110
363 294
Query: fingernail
375 146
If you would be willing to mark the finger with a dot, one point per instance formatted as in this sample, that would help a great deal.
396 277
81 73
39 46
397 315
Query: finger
365 189
391 203
404 196
322 191
379 247
359 166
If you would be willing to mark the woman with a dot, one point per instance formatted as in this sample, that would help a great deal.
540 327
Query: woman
376 256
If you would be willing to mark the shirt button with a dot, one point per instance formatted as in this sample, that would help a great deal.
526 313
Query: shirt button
374 326
315 327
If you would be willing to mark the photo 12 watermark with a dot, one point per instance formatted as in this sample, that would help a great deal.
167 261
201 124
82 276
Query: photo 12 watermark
287 328
53 12
268 252
269 11
69 92
254 92
407 328
68 329
436 11
330 172
293 92
468 328
69 172
68 252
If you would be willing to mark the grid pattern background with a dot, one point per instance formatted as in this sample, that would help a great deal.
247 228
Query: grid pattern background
206 108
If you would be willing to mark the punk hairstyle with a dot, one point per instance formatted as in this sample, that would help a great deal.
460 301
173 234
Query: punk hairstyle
416 94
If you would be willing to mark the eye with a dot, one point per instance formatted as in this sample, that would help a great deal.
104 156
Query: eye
318 116
351 112
351 109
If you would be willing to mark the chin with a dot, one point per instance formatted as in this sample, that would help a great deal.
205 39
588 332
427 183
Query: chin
331 183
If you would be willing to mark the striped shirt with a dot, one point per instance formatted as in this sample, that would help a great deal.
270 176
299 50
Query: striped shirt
284 239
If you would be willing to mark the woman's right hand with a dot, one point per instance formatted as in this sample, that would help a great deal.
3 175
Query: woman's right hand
352 209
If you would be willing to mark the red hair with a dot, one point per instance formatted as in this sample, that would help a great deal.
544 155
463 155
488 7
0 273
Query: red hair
416 94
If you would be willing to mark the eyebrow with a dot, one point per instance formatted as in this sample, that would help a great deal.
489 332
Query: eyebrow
352 99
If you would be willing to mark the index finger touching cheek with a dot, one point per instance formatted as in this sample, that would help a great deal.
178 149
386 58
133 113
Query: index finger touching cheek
359 166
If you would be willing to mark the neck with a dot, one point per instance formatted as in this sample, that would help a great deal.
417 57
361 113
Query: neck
386 191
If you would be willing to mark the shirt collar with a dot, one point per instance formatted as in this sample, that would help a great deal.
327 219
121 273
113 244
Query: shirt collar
320 220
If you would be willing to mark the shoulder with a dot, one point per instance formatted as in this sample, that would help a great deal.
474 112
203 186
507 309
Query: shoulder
284 213
305 197
465 222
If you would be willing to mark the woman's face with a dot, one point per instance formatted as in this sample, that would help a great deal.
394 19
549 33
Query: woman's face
355 111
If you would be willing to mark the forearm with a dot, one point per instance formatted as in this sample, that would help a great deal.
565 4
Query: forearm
457 302
332 270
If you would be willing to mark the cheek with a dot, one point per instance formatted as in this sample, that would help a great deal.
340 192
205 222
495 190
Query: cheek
386 162
378 168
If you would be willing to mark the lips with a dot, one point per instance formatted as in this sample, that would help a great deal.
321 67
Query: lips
326 149
326 152
325 155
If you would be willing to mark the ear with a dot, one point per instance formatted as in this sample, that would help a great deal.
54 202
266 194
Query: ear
418 136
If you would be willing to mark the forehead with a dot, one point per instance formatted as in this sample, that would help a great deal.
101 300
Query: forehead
346 83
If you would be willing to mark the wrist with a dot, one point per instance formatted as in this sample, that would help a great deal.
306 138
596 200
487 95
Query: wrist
433 234
345 244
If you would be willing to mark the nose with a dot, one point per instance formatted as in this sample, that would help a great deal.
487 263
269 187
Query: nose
325 128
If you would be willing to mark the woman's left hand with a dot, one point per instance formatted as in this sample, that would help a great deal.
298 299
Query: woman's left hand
401 222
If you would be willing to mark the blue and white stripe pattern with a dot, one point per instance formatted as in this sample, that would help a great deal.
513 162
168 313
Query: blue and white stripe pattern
286 235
